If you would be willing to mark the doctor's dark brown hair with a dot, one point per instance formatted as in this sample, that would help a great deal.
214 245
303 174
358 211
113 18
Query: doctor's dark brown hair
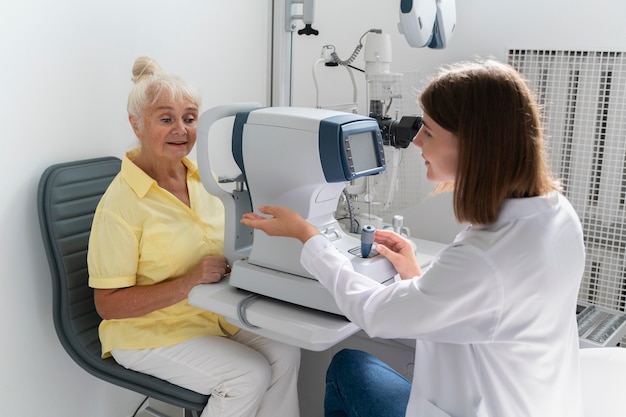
495 117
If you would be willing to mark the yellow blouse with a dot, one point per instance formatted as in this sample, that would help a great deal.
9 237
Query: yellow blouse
143 235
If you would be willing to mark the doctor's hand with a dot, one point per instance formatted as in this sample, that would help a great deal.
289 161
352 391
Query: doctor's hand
282 222
399 252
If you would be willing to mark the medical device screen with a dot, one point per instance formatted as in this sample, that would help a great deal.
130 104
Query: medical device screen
364 152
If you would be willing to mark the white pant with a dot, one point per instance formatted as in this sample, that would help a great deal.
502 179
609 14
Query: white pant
246 374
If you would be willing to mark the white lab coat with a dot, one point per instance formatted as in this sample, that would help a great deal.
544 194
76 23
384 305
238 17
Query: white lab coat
493 315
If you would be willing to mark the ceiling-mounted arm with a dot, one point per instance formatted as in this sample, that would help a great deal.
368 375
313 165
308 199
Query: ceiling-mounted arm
427 23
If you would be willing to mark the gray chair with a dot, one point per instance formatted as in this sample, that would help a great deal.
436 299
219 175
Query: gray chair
67 197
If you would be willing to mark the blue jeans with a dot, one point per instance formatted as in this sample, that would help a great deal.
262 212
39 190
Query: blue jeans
360 385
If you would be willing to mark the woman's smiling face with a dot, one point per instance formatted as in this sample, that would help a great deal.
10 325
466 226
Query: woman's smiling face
168 129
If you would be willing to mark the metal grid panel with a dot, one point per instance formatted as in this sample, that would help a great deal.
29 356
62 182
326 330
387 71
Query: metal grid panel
583 99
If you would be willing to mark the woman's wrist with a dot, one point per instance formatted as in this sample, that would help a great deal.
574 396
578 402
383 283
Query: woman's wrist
308 231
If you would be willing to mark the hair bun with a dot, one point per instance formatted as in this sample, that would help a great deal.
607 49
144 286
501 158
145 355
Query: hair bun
144 67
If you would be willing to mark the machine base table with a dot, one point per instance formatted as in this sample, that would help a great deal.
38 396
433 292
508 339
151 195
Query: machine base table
286 322
289 323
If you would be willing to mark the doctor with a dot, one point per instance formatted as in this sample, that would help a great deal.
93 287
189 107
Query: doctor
493 315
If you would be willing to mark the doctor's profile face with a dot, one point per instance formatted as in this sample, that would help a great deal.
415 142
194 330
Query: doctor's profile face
439 151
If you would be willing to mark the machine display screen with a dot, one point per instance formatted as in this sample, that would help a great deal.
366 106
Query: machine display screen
363 152
350 146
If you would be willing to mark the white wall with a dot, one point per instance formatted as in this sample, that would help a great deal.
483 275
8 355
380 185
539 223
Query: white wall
64 79
484 28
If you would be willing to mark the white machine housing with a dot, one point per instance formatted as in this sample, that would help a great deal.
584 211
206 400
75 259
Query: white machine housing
302 159
427 23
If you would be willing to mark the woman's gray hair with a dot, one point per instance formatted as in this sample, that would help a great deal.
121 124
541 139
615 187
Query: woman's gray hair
152 83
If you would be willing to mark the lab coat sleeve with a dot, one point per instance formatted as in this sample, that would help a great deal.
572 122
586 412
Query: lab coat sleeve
458 299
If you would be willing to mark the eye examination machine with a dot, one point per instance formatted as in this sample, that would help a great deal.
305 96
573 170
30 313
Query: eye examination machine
302 159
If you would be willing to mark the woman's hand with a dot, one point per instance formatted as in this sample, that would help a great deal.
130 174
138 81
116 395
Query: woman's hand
283 222
399 252
211 269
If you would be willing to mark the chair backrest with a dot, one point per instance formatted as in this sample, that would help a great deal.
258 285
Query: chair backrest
67 197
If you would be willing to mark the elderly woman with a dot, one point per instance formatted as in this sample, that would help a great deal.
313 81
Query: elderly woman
156 234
